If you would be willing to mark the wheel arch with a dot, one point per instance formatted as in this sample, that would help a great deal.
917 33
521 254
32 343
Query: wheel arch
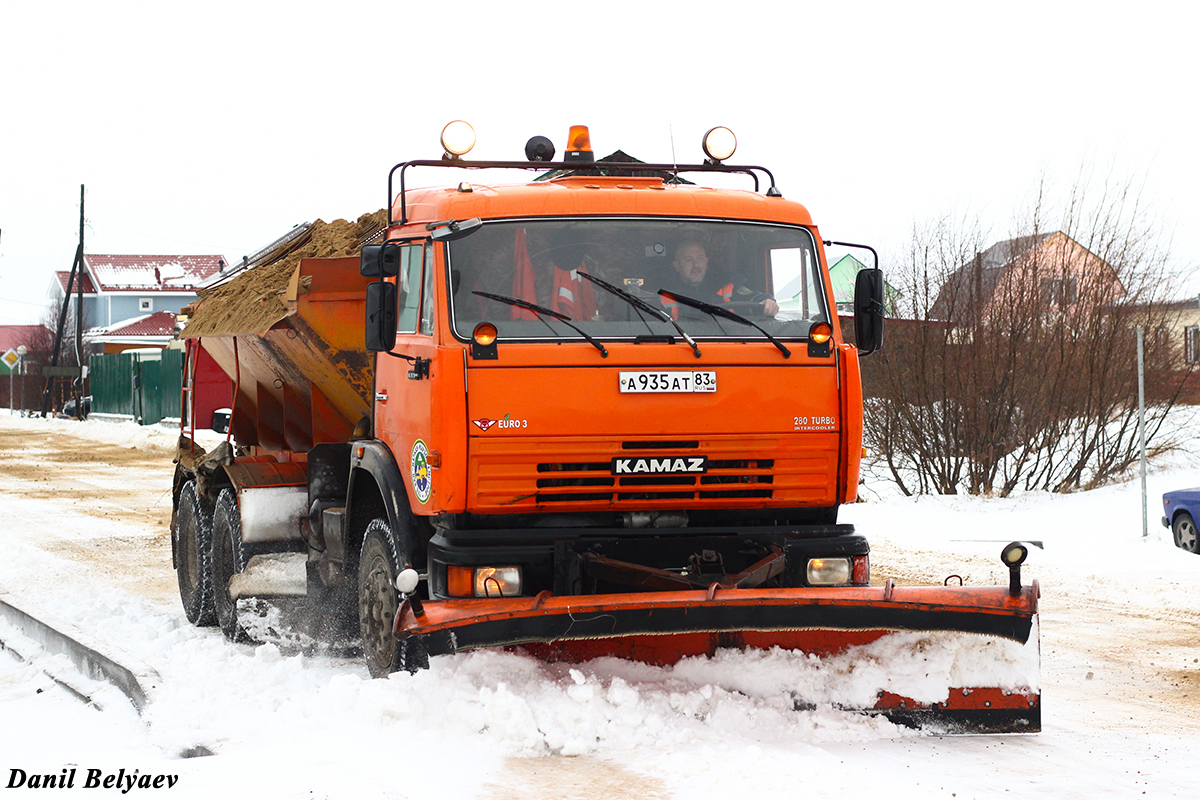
376 489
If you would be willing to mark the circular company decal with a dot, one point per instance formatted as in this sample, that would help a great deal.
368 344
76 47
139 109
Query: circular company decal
422 481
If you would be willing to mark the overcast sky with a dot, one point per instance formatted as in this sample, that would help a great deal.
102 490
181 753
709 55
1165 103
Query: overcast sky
215 127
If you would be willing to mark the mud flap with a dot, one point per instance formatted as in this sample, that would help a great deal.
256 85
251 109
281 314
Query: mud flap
273 606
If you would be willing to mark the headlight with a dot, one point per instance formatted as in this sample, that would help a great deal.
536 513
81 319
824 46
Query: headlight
483 581
828 571
497 581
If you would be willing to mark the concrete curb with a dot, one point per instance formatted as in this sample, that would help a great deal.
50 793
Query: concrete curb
91 657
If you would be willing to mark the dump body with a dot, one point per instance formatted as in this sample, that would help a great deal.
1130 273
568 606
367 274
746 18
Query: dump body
299 366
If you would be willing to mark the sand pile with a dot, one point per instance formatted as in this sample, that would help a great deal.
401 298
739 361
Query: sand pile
255 299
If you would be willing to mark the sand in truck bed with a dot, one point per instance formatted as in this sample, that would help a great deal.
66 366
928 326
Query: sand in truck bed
254 300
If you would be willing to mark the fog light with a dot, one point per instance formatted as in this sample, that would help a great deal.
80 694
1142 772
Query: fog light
497 581
828 571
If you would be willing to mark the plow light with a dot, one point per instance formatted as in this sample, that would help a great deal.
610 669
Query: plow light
1014 555
458 138
828 571
719 144
483 581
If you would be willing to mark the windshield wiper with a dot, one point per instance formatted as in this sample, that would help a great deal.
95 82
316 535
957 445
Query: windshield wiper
639 303
717 311
543 312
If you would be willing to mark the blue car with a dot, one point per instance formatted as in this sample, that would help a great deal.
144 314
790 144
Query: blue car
1182 509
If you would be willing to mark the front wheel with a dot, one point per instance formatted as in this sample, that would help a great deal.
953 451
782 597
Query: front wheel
379 564
1184 528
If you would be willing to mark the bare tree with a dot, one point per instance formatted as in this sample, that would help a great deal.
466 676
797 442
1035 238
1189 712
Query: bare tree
1015 365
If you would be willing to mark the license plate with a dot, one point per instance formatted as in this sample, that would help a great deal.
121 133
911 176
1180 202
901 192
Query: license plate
675 381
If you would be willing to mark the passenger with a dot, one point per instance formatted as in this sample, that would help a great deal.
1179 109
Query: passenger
697 281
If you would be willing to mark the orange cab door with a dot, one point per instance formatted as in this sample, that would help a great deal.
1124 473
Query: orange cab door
404 388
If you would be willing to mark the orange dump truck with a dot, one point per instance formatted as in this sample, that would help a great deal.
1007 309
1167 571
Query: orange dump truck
608 411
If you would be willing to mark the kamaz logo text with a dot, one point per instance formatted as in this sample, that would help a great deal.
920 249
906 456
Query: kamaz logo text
659 466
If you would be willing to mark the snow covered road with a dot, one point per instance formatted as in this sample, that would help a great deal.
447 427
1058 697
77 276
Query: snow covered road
83 527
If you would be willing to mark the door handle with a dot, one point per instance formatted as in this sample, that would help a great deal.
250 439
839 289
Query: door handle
381 397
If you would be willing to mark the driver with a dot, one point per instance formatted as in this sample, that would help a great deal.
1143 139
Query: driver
696 280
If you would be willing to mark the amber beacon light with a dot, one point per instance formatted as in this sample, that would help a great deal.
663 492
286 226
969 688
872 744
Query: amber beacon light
579 145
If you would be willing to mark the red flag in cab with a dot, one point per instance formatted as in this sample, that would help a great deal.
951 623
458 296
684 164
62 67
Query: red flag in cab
523 285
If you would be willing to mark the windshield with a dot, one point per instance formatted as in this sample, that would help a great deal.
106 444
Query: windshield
767 273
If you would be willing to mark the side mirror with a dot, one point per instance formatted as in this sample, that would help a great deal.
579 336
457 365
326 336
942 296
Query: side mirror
868 310
381 316
379 260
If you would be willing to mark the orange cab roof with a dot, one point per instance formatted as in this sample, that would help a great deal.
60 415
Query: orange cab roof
596 195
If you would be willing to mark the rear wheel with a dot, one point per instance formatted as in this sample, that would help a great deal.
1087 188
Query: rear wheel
228 559
381 560
192 533
1184 528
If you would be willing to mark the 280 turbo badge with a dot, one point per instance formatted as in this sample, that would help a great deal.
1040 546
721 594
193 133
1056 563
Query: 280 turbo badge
418 465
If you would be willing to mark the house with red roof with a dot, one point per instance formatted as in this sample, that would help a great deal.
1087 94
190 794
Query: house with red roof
131 301
148 330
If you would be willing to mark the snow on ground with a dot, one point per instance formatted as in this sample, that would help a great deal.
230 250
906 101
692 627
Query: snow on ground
1119 680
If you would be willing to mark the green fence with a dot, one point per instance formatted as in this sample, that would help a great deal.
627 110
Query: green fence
144 386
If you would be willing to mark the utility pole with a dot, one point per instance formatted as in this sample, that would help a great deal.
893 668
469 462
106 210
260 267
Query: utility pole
79 318
1141 370
76 269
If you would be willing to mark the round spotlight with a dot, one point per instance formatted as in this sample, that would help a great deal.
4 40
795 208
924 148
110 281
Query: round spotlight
1014 555
719 143
539 148
820 332
458 138
484 334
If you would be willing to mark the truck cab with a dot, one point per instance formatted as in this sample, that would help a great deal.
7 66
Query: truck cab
570 412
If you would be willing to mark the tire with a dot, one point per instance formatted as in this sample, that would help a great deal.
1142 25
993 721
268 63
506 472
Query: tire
192 533
228 559
1184 529
380 561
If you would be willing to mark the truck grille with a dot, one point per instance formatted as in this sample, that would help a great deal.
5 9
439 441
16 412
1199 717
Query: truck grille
740 478
510 474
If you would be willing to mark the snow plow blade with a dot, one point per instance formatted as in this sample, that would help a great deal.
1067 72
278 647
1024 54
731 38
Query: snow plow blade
663 627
